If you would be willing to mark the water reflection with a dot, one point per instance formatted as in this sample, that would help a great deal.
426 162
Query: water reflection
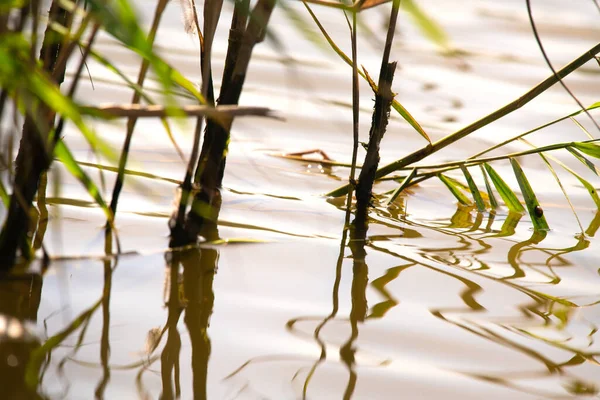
191 275
514 304
19 302
467 262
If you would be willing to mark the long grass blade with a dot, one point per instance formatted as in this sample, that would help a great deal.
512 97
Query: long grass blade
533 206
402 186
508 196
488 187
587 133
473 188
454 189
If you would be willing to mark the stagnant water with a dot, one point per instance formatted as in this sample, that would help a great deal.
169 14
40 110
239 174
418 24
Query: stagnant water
447 303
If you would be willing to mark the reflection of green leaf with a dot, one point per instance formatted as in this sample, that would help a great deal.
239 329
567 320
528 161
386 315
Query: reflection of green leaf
508 196
473 188
426 24
533 206
40 354
64 155
454 189
510 224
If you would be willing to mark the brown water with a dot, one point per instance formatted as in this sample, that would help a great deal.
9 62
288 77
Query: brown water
447 303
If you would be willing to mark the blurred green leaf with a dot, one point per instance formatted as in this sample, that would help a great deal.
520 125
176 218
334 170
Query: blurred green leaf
7 5
454 189
119 19
62 152
533 206
508 196
430 29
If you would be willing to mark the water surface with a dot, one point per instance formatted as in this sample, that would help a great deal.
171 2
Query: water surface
445 302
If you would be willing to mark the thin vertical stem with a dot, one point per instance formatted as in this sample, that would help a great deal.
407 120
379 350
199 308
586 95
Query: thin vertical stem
160 7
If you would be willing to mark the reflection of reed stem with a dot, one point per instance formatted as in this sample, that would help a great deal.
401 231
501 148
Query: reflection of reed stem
169 358
105 338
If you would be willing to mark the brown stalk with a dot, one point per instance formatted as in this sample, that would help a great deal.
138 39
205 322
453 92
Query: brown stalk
219 113
381 113
212 166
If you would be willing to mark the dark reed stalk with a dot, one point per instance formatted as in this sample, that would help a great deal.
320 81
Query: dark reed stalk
160 7
33 157
238 26
531 94
381 113
212 166
212 11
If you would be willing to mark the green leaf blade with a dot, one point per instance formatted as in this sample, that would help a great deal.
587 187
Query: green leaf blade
455 190
488 187
508 196
591 149
533 205
473 188
405 182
